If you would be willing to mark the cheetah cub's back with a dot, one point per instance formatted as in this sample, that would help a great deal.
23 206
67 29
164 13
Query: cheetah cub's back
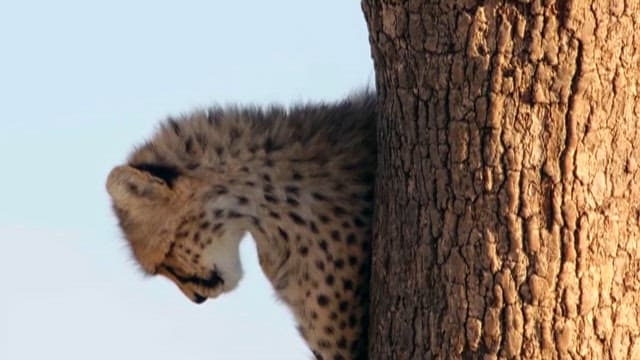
300 180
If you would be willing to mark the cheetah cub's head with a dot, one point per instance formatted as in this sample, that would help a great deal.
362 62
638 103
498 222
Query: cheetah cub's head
178 227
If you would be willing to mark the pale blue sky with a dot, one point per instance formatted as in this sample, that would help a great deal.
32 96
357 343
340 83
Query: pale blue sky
82 82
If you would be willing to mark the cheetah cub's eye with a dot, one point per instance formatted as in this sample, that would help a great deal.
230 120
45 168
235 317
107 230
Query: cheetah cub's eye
167 174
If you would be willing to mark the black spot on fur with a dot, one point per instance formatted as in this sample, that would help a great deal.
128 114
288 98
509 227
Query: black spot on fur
323 245
313 227
220 190
351 239
217 213
303 250
297 218
335 235
168 174
188 145
174 126
297 176
283 234
270 145
242 200
338 211
293 202
233 215
323 300
318 196
339 263
329 279
343 306
358 222
270 198
324 218
292 189
274 214
353 260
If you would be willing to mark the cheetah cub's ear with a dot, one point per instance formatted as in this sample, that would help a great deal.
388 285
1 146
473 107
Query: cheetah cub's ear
142 197
143 182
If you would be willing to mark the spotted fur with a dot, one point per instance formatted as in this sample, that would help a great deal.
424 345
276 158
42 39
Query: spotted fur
300 180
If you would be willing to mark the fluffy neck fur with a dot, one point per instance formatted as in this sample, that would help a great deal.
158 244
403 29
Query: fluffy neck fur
225 139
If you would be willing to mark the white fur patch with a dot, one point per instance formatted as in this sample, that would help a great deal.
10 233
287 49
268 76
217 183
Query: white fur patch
224 255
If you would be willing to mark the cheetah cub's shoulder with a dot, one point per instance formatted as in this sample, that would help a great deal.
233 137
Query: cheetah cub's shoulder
300 180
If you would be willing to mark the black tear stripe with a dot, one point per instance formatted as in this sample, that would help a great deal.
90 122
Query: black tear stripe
168 174
211 282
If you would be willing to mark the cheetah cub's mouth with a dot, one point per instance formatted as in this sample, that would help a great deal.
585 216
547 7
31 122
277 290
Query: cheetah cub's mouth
198 283
213 281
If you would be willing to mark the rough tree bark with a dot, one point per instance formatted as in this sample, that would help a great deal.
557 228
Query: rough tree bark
508 189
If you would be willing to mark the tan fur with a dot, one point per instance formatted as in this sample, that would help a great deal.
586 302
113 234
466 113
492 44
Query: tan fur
299 180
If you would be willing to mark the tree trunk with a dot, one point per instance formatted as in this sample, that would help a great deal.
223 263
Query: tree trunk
508 188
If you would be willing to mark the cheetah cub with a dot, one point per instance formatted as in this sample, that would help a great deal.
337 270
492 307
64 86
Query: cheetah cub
300 180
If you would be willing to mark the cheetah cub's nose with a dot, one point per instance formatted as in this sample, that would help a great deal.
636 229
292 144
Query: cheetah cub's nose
198 299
